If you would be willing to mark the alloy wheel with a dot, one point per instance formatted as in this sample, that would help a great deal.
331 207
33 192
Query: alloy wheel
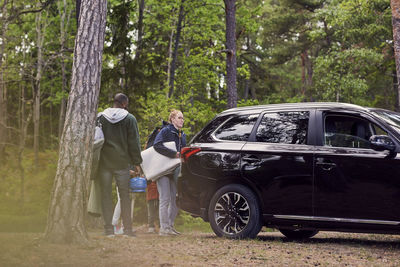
232 213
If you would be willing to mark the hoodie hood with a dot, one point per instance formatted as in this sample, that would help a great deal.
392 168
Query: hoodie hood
114 115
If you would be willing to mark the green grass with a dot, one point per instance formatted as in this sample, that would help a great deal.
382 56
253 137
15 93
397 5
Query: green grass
15 223
185 222
31 215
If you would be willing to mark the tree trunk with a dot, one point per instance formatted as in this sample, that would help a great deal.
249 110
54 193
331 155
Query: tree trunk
140 30
306 72
170 45
172 69
230 12
3 90
21 147
396 91
36 86
64 89
65 223
395 5
78 11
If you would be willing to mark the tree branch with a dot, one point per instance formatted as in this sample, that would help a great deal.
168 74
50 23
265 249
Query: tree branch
42 7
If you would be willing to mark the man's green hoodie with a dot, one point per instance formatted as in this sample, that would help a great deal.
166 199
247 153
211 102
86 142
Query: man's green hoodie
121 148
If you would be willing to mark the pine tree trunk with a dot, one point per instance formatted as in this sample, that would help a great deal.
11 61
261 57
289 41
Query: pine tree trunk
63 33
175 52
140 30
36 86
67 211
230 12
3 90
306 72
395 5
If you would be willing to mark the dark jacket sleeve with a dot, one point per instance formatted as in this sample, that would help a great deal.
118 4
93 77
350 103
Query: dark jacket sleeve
134 141
183 140
161 138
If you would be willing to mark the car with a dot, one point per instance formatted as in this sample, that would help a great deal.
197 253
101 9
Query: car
296 167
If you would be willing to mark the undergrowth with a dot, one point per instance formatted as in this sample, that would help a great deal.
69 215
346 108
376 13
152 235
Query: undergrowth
24 202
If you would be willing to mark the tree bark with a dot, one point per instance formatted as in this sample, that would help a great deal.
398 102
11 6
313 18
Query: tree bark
3 89
172 69
63 32
36 86
395 5
65 223
230 34
140 30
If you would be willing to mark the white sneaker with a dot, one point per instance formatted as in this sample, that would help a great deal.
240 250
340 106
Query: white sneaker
118 230
151 230
174 230
167 232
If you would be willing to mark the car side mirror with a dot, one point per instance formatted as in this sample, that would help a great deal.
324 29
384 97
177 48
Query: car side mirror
383 142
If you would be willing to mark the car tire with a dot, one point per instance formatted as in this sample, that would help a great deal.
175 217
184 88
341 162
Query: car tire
234 212
298 234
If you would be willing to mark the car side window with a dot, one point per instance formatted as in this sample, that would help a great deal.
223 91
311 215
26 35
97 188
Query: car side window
283 127
237 129
349 131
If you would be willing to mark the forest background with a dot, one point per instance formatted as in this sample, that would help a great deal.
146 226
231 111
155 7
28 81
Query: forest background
171 54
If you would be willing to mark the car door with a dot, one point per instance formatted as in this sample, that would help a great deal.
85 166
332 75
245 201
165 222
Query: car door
353 182
279 162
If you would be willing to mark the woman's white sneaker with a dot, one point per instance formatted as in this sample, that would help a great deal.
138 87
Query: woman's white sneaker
167 232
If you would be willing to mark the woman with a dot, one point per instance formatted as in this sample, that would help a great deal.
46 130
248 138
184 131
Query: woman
166 185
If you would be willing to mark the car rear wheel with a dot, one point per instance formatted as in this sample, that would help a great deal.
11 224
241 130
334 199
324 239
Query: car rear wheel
234 212
298 234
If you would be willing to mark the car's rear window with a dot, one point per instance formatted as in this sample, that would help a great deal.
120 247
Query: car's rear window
237 128
205 135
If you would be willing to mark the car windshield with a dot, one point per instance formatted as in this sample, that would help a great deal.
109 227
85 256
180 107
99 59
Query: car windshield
391 117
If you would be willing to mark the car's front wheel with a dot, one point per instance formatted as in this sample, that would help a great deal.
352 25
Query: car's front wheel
234 212
298 234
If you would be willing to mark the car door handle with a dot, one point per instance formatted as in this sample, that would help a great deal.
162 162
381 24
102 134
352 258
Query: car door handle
251 159
325 165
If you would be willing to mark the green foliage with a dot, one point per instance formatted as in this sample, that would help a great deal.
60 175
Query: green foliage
342 75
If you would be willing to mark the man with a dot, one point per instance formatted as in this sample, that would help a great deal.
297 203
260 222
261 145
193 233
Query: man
120 151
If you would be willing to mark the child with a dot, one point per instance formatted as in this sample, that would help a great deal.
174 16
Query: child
152 206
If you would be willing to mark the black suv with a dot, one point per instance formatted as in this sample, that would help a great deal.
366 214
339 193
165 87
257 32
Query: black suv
299 168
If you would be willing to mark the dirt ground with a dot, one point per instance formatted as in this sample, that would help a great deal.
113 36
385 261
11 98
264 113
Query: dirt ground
203 249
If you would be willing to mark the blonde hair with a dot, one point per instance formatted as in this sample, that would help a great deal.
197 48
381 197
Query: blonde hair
173 114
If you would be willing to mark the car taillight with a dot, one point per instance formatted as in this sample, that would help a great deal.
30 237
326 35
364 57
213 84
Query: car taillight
186 152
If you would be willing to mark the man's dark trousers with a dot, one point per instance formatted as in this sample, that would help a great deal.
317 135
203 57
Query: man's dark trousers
122 179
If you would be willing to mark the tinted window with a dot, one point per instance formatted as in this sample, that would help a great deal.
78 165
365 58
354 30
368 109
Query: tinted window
283 127
393 118
205 135
349 131
237 128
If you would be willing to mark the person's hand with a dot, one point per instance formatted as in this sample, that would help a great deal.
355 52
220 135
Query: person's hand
178 155
138 171
132 173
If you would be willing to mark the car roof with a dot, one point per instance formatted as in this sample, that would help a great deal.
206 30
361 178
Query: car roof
303 105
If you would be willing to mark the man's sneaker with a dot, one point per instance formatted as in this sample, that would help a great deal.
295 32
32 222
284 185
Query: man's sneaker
109 233
174 230
118 230
151 230
167 232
